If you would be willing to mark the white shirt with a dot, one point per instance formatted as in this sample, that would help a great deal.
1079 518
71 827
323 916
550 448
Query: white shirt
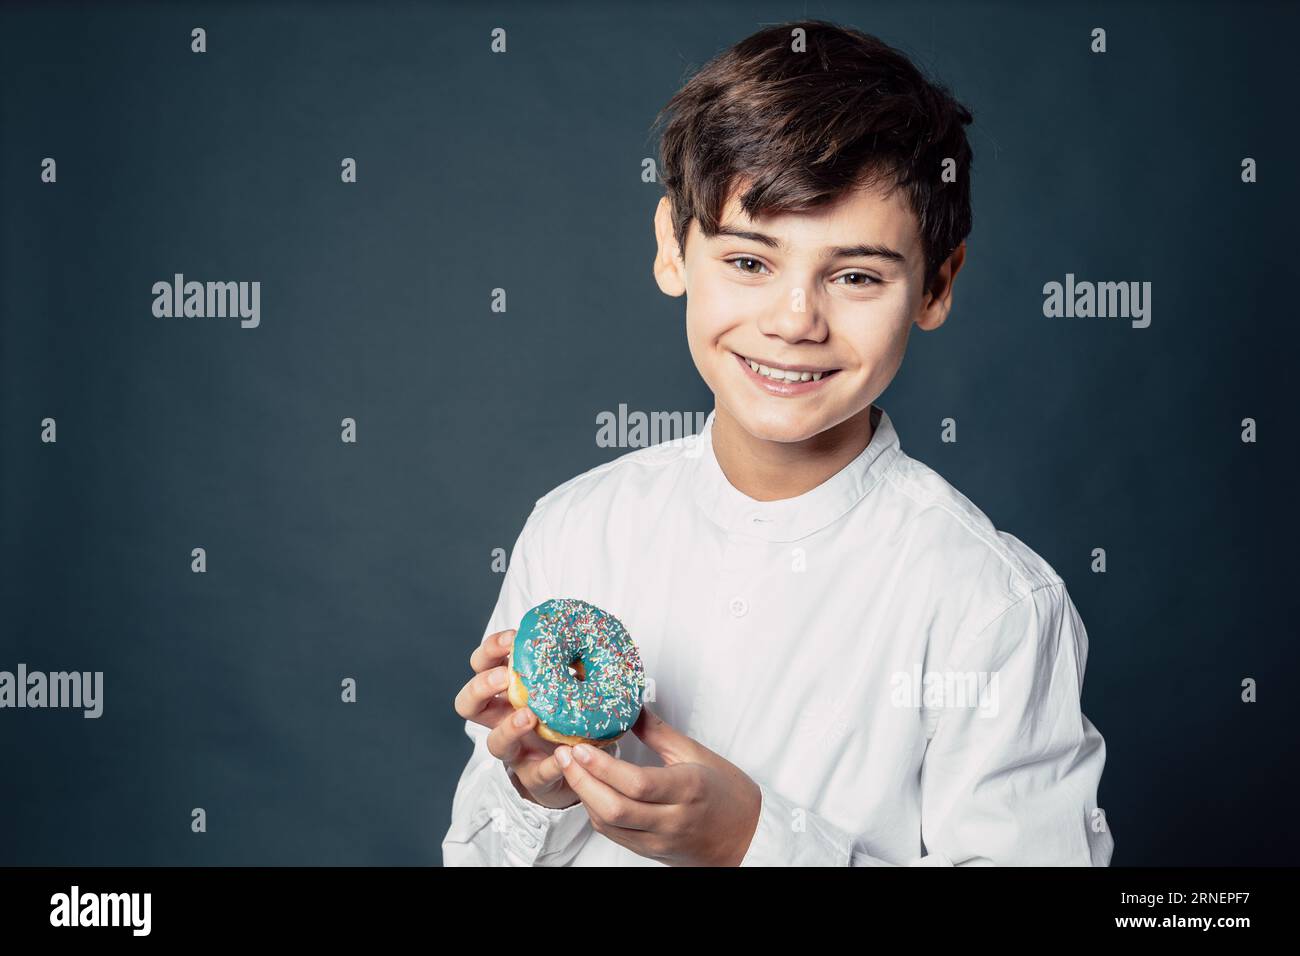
820 643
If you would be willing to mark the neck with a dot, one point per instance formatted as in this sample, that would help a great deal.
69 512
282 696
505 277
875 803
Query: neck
773 470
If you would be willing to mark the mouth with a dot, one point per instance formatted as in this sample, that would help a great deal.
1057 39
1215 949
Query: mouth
785 379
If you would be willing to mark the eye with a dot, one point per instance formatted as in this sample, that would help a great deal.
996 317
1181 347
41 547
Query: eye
744 263
867 282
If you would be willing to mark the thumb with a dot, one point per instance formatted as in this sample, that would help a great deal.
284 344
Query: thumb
666 740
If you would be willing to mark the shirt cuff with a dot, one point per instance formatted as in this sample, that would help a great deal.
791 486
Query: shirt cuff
531 833
790 835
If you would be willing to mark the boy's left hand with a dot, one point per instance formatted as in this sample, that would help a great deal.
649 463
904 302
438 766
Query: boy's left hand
696 810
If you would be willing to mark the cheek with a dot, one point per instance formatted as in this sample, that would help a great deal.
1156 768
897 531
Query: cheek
710 311
710 314
877 336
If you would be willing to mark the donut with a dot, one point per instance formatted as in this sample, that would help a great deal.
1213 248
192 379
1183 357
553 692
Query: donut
577 668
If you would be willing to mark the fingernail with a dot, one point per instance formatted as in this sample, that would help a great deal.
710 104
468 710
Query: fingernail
500 678
562 756
521 717
506 637
583 753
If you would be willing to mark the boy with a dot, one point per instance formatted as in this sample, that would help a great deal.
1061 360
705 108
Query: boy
850 664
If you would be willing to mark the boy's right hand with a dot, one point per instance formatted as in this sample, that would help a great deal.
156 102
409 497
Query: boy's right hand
483 700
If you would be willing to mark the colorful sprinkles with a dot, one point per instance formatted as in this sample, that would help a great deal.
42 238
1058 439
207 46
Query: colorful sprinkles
557 634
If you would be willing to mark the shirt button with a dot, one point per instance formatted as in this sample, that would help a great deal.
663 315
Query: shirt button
528 840
738 607
531 820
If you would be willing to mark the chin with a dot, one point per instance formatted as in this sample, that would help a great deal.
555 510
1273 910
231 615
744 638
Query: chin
788 426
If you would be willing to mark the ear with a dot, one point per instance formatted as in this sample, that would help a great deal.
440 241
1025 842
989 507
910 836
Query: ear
669 267
938 298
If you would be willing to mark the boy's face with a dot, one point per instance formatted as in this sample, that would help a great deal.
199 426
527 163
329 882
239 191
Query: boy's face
823 293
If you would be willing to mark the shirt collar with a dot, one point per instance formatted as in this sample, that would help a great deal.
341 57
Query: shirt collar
791 518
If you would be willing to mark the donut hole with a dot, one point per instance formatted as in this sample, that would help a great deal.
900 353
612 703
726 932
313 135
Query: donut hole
577 669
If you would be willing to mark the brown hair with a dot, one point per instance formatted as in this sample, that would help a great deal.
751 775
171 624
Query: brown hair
805 127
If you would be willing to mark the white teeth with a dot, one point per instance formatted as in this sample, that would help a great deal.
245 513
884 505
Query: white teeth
784 375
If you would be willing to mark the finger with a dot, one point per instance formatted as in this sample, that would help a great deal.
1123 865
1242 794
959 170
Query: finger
479 691
644 784
541 775
606 804
497 710
666 740
537 771
507 738
494 649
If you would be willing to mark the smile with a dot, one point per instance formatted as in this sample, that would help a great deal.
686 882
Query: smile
784 379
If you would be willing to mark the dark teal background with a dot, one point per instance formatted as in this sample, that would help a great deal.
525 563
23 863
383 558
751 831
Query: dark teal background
522 171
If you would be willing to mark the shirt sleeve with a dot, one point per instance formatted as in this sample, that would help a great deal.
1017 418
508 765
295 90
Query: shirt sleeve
1009 778
492 824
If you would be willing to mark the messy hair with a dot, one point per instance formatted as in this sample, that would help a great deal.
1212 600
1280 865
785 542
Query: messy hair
803 127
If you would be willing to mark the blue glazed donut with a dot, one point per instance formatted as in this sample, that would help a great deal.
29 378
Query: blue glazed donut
600 699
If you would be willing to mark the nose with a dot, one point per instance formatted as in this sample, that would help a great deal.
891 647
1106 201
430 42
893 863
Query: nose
795 317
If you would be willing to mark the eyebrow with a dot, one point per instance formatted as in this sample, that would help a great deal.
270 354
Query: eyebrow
865 250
